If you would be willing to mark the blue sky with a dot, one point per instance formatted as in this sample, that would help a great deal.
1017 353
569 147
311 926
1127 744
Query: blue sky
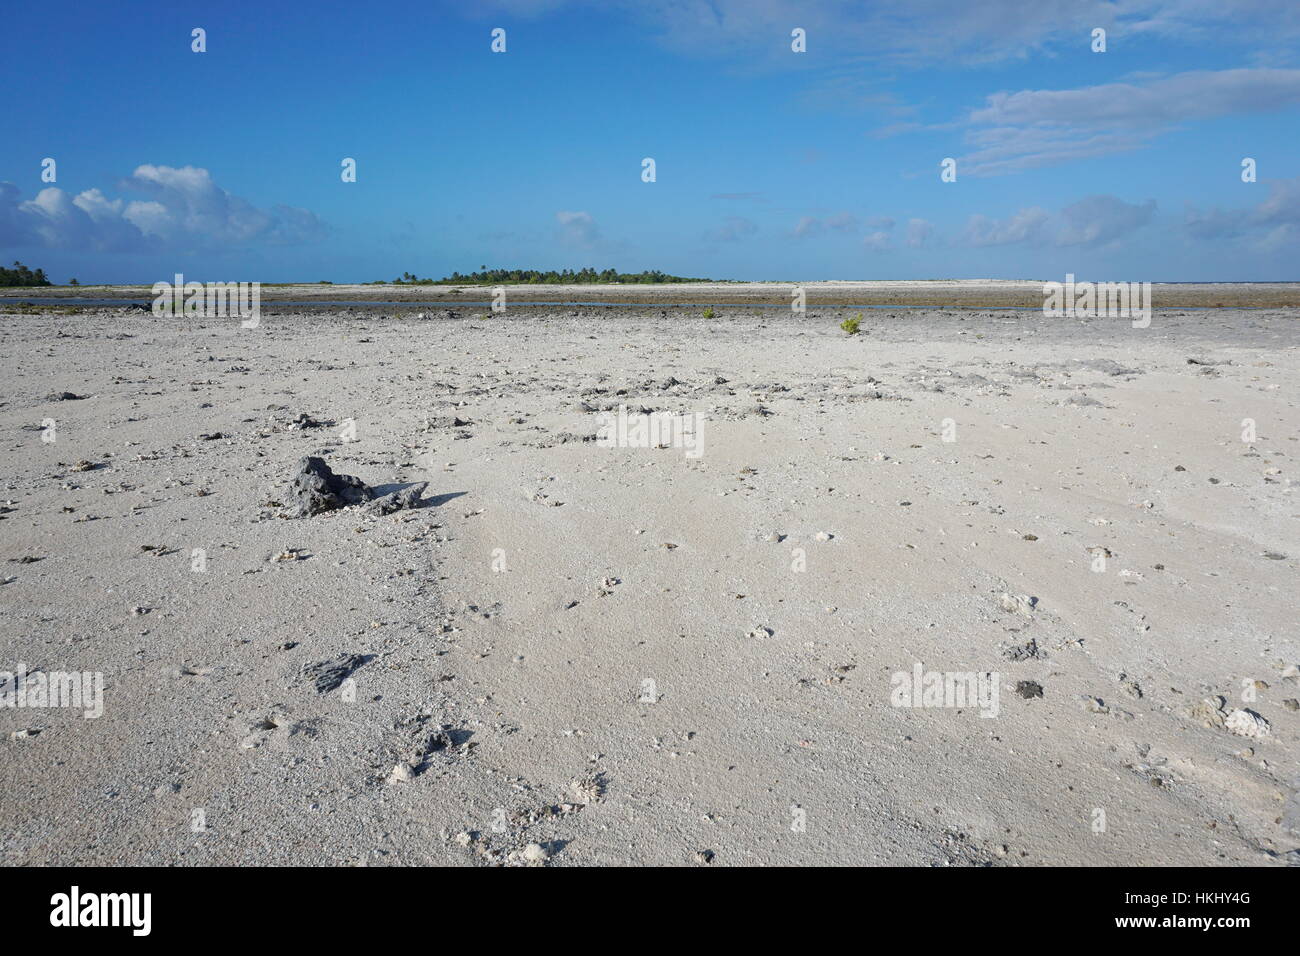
770 164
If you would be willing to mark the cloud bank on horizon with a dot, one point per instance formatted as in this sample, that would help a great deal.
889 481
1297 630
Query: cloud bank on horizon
186 209
790 140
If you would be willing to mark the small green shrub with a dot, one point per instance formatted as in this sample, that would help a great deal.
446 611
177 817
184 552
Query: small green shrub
708 313
851 325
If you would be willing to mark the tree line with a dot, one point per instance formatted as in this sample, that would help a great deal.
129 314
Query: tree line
585 276
21 275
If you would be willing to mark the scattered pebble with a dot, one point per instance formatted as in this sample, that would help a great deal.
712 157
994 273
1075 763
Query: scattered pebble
401 773
1247 723
535 853
1022 604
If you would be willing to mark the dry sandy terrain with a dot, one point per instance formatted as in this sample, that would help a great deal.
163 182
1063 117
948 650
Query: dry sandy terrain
630 655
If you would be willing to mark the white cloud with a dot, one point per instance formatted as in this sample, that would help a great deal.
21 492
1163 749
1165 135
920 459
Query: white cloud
733 228
186 209
1093 221
1097 220
878 240
578 229
921 33
919 232
807 227
1198 94
1273 222
1033 128
1025 224
841 222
